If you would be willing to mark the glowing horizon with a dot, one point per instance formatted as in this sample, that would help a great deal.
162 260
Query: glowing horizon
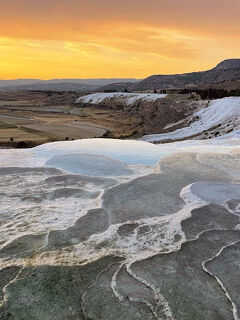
97 39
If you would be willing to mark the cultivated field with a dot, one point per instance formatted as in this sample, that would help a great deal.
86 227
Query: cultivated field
39 117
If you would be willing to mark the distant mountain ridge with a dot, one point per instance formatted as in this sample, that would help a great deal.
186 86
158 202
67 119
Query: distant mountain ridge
225 75
62 84
227 70
52 86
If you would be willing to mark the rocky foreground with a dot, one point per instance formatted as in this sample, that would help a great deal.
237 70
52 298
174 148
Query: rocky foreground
108 229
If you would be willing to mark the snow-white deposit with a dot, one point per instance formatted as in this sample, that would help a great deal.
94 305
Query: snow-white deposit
131 152
224 113
40 201
125 97
31 204
49 217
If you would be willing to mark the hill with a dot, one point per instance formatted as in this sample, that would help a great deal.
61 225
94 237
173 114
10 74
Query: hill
52 86
226 71
62 84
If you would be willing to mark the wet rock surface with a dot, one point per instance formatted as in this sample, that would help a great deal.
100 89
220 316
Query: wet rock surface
164 245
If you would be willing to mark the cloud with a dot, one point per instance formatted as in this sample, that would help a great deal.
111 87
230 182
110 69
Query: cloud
136 37
135 40
66 19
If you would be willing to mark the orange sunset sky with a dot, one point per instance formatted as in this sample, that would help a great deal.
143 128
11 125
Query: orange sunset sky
127 38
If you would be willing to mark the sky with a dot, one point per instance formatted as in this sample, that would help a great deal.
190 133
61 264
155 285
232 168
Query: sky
108 38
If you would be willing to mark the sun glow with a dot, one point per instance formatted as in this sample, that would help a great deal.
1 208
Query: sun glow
49 40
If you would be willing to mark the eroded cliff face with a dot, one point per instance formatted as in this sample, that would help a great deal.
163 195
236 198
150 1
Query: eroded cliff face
166 118
141 114
165 114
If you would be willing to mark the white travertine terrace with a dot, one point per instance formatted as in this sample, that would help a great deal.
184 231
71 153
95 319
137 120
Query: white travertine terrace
124 97
74 205
224 113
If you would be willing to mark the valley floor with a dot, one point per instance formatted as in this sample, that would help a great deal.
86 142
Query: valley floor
37 119
40 117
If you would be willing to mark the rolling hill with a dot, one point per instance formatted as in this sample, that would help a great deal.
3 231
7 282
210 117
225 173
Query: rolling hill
227 70
62 84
